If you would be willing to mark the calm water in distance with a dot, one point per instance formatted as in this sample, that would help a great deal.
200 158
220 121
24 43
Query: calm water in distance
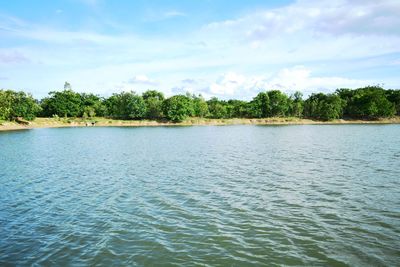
220 196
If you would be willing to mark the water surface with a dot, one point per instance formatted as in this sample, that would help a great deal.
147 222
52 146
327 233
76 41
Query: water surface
219 196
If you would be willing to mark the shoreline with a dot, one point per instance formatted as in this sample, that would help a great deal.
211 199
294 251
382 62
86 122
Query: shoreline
104 122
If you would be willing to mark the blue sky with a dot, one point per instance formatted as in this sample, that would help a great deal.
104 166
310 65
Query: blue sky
228 49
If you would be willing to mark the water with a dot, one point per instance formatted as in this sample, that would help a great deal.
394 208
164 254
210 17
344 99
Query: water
218 196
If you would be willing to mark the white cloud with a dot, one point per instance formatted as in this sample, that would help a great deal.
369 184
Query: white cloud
230 59
319 17
301 78
289 80
142 79
227 84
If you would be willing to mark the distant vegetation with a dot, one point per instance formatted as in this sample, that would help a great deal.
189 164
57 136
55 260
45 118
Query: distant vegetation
370 102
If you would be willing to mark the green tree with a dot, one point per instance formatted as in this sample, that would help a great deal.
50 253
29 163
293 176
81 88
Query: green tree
65 103
126 105
67 86
17 104
367 102
278 104
394 97
217 108
25 106
6 103
374 104
347 95
237 109
259 106
92 105
296 105
178 108
200 107
153 100
88 112
324 107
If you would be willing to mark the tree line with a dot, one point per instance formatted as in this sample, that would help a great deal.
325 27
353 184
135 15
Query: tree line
369 102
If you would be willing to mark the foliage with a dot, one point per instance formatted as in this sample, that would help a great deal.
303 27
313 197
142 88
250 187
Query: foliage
25 106
278 104
217 108
93 105
65 103
177 108
259 106
394 97
237 109
67 86
6 103
17 104
153 100
370 102
296 105
324 107
126 105
200 107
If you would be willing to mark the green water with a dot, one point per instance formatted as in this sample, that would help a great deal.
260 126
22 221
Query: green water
203 196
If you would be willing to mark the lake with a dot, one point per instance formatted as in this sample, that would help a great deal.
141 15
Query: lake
325 195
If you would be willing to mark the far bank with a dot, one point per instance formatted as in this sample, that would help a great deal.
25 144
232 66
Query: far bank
105 122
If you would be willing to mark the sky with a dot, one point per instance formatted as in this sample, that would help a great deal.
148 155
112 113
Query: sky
223 48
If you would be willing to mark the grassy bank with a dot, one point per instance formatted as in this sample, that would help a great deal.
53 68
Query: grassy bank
102 122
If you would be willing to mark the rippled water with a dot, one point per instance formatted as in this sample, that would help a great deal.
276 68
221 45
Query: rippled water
219 196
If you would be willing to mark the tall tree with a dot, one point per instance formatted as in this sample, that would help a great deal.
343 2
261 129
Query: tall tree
67 86
278 103
324 107
296 104
6 104
65 103
126 105
153 100
92 105
394 97
217 108
237 109
367 102
17 104
200 106
259 106
177 108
